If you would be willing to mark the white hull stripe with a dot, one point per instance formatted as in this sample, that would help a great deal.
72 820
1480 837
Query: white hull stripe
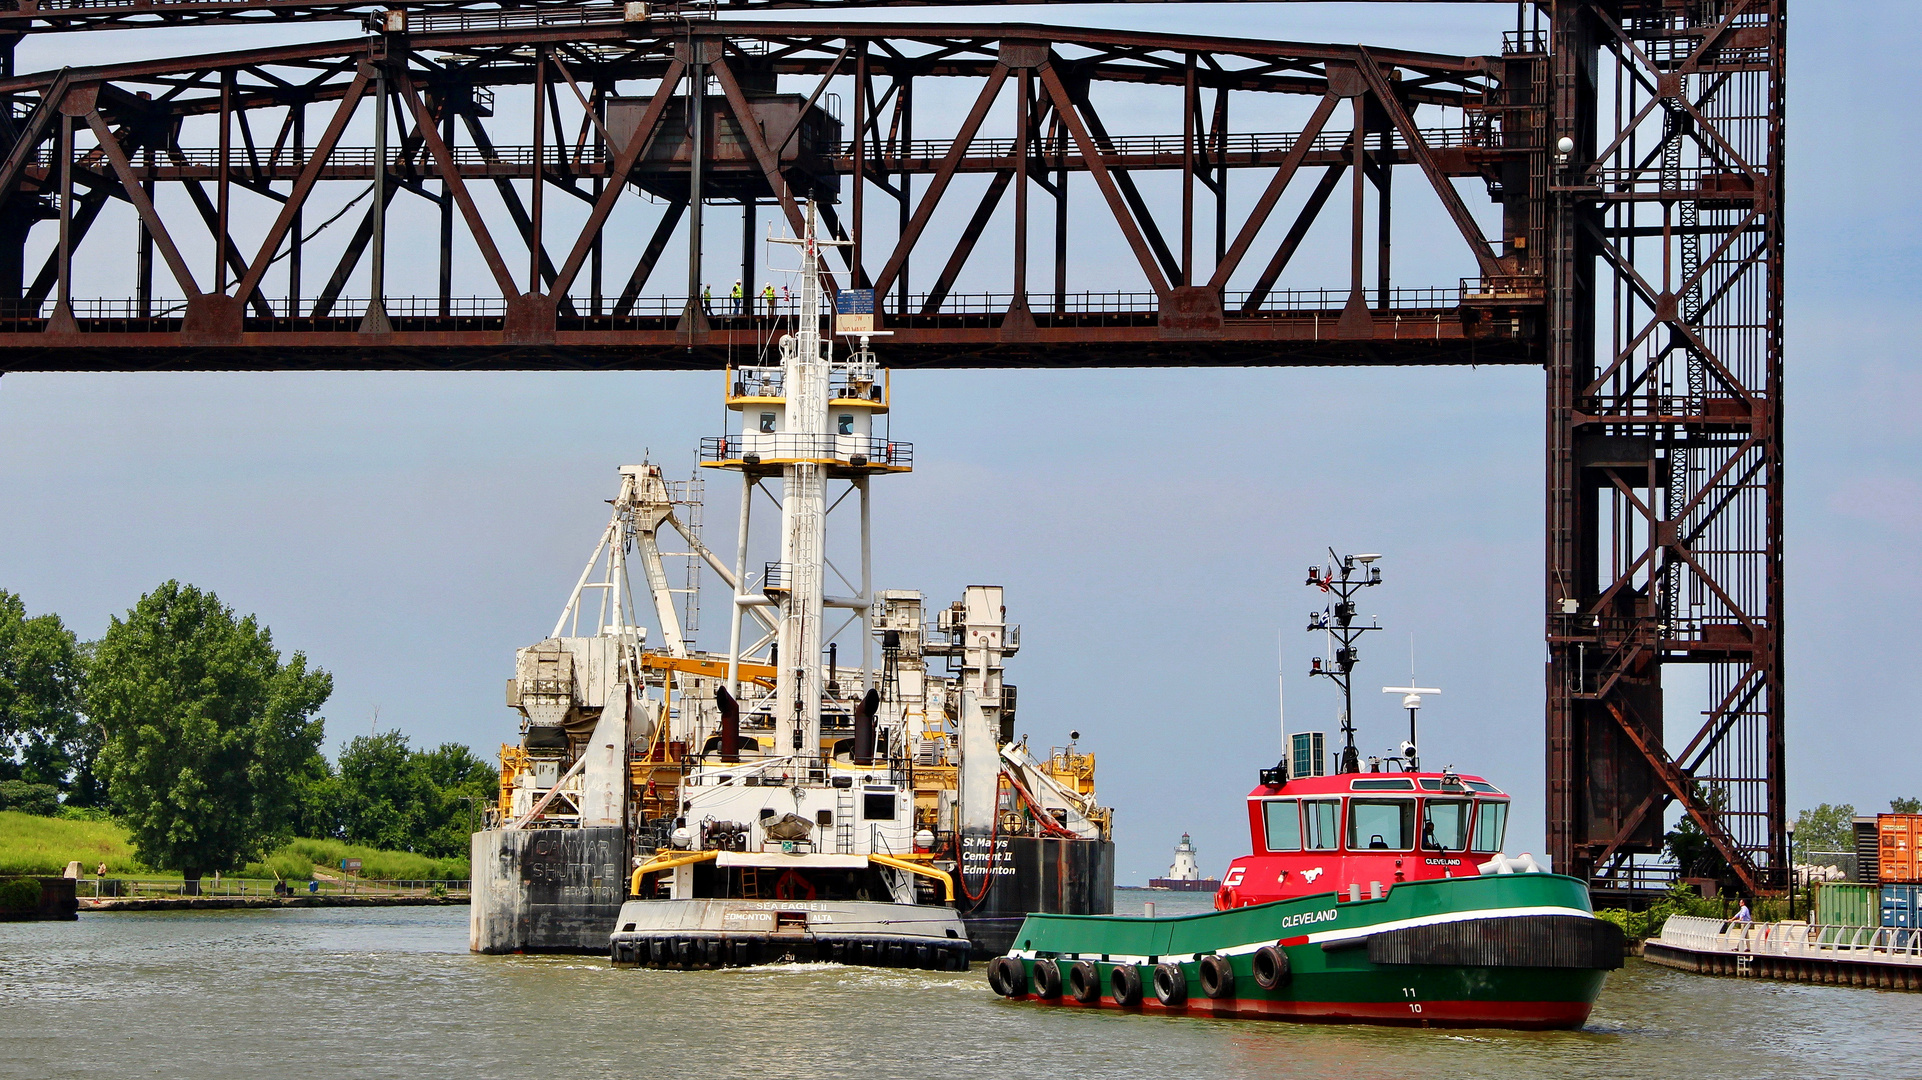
1353 933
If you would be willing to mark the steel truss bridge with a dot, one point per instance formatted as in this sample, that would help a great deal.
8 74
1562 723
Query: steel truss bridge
1634 148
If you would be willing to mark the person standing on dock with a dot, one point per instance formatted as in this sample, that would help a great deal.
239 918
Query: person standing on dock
1742 913
736 294
767 294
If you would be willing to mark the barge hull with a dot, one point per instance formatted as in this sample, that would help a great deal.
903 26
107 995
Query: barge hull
1033 874
546 890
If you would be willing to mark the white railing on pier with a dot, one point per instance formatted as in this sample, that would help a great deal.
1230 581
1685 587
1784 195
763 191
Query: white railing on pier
1794 940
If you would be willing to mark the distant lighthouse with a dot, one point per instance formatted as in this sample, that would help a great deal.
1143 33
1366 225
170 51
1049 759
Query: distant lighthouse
1185 874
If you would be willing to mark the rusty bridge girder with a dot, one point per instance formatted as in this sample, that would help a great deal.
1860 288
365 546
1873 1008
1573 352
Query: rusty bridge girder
1206 290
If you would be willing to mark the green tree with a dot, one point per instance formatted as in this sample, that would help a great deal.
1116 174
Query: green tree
44 737
1694 854
1905 806
387 799
205 729
1825 828
317 800
27 798
465 784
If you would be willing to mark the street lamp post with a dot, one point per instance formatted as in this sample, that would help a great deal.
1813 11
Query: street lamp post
1791 832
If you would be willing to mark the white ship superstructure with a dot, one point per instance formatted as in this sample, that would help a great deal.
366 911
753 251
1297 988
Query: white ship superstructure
850 750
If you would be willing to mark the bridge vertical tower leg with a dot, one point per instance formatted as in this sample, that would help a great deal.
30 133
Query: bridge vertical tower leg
1664 511
17 219
1570 269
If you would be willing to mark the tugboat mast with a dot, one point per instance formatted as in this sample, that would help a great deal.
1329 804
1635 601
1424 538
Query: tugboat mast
1343 578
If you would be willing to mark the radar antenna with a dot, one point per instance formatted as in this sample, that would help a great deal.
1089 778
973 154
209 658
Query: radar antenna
1343 577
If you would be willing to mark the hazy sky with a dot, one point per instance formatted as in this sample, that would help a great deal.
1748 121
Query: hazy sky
409 531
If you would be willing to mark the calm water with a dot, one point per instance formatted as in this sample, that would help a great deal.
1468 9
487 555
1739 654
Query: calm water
394 993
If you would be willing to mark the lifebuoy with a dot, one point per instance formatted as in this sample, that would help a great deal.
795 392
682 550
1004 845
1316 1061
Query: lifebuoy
1124 983
1225 898
1271 967
791 885
1217 977
1171 985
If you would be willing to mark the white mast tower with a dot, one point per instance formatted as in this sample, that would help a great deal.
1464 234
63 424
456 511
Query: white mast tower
809 420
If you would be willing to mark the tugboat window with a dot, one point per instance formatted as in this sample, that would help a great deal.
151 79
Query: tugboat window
1381 824
1283 821
767 423
1321 824
845 424
1491 821
877 805
1444 825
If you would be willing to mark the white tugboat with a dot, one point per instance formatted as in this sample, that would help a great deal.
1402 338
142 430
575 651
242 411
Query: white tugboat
808 793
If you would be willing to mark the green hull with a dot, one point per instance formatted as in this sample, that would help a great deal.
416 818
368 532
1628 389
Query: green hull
1519 950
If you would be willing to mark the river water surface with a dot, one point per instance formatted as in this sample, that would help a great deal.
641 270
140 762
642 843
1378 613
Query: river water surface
393 992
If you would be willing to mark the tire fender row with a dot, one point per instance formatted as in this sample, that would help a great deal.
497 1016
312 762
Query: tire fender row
1128 984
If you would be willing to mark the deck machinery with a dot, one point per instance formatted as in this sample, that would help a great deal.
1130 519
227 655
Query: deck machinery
648 767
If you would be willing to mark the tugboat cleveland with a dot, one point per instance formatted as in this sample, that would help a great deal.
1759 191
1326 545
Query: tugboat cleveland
842 781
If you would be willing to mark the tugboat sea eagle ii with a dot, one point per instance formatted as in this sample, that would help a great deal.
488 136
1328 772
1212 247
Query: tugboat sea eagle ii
1376 896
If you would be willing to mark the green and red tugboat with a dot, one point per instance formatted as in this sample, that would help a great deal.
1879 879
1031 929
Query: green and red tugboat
1374 895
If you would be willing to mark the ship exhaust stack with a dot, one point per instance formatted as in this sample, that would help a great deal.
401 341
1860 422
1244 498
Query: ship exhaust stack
730 725
864 727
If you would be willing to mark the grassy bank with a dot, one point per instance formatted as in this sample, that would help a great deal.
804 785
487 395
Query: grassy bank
30 844
298 858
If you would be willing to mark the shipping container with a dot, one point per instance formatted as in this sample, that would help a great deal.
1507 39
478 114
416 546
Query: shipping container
1839 904
1901 904
1899 838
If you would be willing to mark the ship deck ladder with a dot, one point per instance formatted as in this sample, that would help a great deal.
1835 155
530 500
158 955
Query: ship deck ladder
750 883
844 820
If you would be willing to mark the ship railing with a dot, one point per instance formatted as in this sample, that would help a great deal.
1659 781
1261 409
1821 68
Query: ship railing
1794 940
855 450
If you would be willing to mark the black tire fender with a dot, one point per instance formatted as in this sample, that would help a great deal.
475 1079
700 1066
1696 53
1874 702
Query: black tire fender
1084 982
1047 979
1124 985
1217 977
1271 967
1171 985
1007 976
